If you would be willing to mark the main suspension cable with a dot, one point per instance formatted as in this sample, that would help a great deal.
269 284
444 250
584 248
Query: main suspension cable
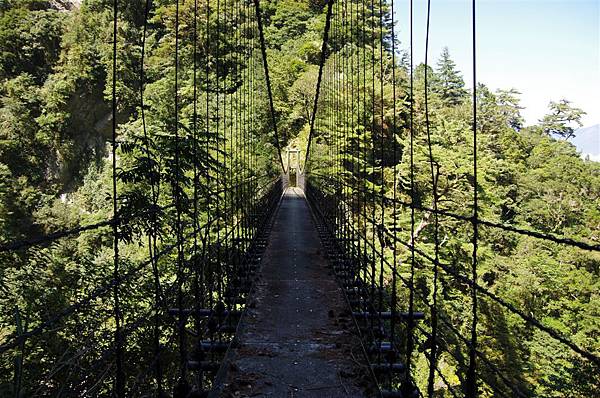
324 47
263 49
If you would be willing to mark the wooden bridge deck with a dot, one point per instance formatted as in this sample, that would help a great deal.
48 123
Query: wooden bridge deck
298 339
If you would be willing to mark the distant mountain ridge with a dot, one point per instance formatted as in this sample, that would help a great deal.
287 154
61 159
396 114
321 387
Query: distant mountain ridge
587 141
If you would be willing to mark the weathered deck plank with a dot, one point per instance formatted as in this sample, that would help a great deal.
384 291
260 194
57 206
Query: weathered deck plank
297 338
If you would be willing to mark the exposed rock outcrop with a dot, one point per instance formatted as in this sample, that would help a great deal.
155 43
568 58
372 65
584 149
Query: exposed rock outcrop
65 5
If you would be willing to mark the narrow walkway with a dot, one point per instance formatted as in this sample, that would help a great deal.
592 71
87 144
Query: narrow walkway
297 338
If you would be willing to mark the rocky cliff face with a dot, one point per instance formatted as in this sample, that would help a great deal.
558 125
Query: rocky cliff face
65 5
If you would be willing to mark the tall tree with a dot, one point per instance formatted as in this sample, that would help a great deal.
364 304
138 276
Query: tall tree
509 103
562 119
449 83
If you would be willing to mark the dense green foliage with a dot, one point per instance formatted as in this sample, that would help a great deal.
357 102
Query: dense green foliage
529 177
56 174
55 126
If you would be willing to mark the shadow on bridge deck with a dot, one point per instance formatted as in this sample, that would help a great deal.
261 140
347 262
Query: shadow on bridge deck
298 339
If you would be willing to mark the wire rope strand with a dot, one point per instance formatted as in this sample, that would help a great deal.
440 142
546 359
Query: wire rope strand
208 133
471 375
373 194
434 307
178 223
410 331
195 167
119 349
394 298
218 159
381 226
152 236
364 255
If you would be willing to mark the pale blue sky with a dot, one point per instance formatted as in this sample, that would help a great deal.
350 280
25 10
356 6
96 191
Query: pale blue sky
547 50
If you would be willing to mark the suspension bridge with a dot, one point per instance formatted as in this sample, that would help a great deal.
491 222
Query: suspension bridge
298 280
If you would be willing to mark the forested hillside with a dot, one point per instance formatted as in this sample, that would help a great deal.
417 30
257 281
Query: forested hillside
529 178
55 175
55 155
